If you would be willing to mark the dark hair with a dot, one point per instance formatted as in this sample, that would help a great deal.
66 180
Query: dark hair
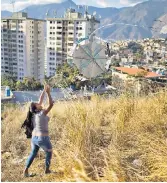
28 124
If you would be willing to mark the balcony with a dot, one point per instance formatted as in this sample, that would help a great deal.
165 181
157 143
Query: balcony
71 35
70 40
59 35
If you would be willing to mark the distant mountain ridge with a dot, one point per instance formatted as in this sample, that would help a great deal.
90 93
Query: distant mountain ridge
142 15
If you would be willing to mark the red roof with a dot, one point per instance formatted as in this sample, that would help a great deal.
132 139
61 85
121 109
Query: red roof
135 71
152 75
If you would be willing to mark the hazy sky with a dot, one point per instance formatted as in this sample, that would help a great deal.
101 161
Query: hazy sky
20 4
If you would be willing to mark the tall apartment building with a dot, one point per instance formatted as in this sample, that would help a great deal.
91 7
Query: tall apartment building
62 33
22 46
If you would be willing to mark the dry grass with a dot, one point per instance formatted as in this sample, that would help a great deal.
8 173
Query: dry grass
117 140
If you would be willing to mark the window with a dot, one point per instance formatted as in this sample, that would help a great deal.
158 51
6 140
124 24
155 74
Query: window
59 49
52 38
58 54
50 63
50 22
70 28
59 33
78 28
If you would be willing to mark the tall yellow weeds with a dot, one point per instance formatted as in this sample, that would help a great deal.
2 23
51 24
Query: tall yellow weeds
121 139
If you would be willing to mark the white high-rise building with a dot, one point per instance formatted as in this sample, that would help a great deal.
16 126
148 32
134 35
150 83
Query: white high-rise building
62 33
22 46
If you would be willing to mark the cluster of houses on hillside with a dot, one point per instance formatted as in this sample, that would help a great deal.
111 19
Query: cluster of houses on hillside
135 64
146 51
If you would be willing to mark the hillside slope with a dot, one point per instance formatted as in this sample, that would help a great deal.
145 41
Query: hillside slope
121 139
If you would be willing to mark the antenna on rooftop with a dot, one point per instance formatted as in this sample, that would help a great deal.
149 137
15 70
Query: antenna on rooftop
47 13
79 7
86 9
55 13
13 4
94 13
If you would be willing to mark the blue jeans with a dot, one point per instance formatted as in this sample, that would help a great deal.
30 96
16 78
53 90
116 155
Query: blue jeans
36 143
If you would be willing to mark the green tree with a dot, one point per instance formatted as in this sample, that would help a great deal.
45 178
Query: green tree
141 74
20 86
138 56
68 73
28 84
8 81
135 47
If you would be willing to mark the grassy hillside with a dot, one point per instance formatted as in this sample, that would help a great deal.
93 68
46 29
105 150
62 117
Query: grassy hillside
120 139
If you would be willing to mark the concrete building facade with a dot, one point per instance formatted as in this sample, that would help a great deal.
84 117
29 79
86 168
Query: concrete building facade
63 33
22 46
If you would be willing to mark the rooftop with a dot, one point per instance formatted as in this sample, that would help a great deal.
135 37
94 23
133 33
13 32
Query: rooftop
20 16
72 15
136 71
